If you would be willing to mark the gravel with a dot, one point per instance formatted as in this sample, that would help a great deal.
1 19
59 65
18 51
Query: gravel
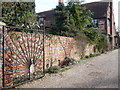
97 72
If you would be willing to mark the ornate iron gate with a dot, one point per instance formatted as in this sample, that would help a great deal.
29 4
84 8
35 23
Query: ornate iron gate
23 55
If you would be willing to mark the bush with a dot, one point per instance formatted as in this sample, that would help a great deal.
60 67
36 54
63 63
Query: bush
54 68
87 56
52 71
91 55
64 69
68 61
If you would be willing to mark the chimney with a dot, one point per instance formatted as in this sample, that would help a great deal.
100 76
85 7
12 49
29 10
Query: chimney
61 1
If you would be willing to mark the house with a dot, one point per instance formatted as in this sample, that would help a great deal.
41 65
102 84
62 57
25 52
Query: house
103 18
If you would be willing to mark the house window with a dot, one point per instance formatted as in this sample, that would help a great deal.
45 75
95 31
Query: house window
102 24
95 22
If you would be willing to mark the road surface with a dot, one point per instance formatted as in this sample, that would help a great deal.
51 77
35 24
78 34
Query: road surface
98 72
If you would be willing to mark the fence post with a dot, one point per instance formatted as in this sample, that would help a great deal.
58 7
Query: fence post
1 54
1 59
44 47
42 28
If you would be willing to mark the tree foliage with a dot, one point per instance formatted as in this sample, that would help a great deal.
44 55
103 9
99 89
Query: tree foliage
61 17
75 21
71 19
102 44
18 13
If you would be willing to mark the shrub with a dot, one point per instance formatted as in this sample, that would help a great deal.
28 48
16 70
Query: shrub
54 68
68 61
93 55
64 69
87 56
52 71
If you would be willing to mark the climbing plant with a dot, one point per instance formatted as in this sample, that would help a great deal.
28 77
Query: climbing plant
19 14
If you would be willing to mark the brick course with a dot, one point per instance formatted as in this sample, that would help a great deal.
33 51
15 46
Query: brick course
56 48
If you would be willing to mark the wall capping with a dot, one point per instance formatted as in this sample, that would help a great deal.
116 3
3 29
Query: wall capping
2 24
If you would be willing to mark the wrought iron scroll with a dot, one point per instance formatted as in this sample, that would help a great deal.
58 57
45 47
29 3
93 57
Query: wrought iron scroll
23 55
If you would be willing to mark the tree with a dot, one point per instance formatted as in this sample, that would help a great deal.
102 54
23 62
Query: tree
80 16
93 35
18 13
71 19
61 17
20 45
102 44
75 21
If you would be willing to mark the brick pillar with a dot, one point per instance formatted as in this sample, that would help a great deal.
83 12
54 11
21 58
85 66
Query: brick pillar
0 55
1 50
7 65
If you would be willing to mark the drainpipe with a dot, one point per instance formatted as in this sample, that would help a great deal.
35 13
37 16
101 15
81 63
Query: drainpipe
111 24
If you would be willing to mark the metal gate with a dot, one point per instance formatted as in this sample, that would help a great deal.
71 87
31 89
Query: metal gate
23 55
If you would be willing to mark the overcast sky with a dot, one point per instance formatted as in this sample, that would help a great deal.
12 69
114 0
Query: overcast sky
44 5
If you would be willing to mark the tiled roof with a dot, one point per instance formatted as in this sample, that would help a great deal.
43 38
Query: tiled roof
99 9
49 16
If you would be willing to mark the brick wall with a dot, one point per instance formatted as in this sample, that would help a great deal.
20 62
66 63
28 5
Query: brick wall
59 47
110 20
102 27
56 49
1 59
0 56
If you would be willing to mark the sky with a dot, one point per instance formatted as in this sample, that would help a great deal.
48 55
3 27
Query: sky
44 5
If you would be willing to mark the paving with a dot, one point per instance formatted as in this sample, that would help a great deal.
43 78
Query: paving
97 72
